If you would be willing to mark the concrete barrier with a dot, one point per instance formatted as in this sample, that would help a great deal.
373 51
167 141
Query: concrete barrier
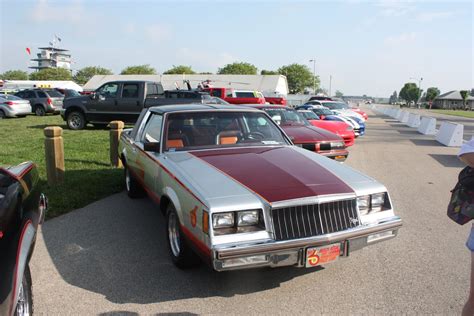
450 134
413 120
398 115
427 126
404 117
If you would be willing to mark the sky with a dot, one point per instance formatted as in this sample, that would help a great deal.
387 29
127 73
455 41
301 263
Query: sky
367 47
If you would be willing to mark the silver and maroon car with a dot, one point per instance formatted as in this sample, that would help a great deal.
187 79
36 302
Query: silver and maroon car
236 192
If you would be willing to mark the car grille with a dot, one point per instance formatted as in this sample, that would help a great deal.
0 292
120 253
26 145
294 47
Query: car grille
314 220
311 147
325 146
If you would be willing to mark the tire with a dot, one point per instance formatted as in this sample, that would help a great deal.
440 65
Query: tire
133 188
181 254
24 305
39 110
2 115
75 120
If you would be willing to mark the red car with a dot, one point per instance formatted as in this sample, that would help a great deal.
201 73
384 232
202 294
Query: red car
304 134
339 128
359 111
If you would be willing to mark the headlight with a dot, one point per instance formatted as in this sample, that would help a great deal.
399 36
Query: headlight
372 203
238 222
364 204
223 220
336 145
247 218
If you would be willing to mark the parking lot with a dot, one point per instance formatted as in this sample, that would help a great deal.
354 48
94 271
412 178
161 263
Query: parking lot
111 258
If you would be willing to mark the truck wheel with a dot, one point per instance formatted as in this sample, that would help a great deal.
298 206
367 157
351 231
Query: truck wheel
181 254
2 115
134 189
76 120
39 110
25 297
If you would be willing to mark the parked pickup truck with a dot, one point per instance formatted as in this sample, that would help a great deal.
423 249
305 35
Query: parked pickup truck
236 96
122 100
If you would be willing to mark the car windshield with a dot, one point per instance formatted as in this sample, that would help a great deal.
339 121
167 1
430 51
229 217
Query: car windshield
335 105
54 94
198 130
10 97
309 115
322 112
285 117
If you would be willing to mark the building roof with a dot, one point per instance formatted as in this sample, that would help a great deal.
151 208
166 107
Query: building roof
54 48
269 85
453 95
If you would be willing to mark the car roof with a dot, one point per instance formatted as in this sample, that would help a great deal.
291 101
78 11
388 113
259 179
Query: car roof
198 107
267 106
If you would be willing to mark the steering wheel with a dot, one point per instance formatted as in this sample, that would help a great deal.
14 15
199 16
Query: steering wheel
254 136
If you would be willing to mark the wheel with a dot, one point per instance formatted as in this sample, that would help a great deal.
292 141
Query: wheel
39 110
134 189
181 254
2 115
76 120
24 305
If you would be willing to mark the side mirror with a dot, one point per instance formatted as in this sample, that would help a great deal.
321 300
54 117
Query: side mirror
152 146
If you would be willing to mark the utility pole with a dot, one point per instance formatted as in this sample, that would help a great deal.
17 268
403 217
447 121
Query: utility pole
314 74
330 83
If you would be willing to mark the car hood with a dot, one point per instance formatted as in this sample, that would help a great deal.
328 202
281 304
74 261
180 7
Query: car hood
76 100
330 125
238 176
307 134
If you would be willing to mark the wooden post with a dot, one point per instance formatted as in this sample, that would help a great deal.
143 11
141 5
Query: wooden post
116 128
54 152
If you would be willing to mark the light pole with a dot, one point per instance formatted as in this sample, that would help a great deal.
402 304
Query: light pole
314 74
419 87
330 84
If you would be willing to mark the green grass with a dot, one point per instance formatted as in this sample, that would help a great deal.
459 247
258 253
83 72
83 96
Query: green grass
468 114
88 177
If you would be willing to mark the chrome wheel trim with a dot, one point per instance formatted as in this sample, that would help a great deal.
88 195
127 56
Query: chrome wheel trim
23 307
127 180
75 120
173 234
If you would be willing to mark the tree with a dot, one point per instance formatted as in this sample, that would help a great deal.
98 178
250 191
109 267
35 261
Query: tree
339 94
139 70
269 72
86 73
206 73
14 75
410 92
464 96
52 74
179 70
431 94
393 98
299 77
237 68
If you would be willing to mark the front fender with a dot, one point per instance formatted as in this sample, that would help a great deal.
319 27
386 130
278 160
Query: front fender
171 194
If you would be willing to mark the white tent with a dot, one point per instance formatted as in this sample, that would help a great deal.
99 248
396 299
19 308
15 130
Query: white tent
269 85
29 84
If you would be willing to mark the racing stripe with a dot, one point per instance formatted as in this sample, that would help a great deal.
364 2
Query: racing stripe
276 173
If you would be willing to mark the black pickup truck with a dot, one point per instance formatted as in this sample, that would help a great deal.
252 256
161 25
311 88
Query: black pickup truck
122 100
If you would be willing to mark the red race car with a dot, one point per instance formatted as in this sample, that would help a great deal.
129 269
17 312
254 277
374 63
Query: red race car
339 128
304 134
359 111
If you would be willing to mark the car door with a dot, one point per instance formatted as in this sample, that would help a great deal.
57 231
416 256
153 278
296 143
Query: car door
102 108
146 162
128 105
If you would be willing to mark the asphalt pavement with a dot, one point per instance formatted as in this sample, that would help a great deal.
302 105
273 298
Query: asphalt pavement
110 258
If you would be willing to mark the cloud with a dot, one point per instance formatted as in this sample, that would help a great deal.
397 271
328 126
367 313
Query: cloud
431 16
395 8
401 39
68 13
157 32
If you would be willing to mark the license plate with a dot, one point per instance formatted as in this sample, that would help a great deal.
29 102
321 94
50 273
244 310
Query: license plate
321 255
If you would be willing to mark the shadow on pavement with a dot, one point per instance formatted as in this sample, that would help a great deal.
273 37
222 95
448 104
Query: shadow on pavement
451 161
117 247
425 142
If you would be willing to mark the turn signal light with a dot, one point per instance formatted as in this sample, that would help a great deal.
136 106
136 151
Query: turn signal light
205 222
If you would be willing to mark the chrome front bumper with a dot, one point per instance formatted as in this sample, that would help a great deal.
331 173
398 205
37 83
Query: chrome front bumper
292 252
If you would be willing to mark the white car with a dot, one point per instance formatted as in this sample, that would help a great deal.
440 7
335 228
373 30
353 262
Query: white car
12 106
340 107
